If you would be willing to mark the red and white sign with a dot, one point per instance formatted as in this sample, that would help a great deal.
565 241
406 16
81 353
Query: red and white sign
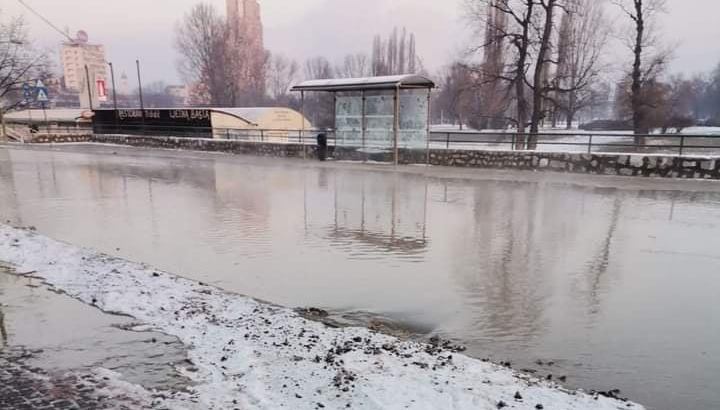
101 90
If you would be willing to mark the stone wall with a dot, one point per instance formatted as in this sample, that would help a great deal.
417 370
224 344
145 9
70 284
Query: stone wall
265 149
643 165
640 165
60 138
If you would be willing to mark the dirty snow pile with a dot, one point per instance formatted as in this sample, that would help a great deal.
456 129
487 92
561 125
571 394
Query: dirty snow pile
250 355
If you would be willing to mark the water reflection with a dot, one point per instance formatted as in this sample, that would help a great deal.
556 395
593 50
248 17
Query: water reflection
65 335
390 220
588 277
598 267
3 330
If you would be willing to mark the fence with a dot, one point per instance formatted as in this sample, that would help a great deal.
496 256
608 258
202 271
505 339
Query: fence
572 142
235 134
610 142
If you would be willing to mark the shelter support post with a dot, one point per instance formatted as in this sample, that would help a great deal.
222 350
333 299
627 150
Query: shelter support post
363 124
302 112
396 125
334 114
427 134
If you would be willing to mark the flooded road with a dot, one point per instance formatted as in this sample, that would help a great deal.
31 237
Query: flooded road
617 287
66 335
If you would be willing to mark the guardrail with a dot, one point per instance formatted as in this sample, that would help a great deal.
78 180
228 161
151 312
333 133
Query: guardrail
308 136
610 142
575 142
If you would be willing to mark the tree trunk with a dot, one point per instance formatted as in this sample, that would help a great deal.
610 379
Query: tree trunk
639 126
572 108
538 86
522 114
570 119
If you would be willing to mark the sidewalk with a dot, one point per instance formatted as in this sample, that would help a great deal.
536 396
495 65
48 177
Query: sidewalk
23 387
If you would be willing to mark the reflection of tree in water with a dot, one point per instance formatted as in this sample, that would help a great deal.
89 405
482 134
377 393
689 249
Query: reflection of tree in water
168 171
598 267
3 330
499 280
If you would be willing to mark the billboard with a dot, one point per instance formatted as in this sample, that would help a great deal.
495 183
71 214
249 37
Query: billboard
101 89
164 122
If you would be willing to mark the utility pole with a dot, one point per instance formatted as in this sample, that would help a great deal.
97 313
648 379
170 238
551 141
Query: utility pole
112 78
117 115
142 104
89 90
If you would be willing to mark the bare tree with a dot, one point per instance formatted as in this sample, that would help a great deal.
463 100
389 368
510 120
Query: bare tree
539 86
456 94
281 74
583 37
397 55
318 68
20 63
201 41
514 27
413 63
645 66
712 97
220 66
354 65
319 106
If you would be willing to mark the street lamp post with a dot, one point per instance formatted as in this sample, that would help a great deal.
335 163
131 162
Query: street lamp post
142 104
89 90
112 77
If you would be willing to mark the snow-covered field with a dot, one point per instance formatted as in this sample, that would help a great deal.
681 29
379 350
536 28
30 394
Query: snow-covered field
251 355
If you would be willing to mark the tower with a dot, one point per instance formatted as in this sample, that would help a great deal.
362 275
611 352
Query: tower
245 22
246 34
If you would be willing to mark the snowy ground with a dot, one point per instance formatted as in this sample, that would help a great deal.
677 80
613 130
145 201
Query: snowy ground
251 355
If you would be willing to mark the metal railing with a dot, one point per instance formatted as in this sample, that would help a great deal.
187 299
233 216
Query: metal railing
579 142
308 136
568 142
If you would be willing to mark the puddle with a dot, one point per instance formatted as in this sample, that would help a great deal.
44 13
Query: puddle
67 335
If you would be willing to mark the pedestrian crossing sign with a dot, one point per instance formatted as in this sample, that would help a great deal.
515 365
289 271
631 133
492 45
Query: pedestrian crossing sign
42 95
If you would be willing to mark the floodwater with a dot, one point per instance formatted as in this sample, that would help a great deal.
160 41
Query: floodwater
66 335
614 280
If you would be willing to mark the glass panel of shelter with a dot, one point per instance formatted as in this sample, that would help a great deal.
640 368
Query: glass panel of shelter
379 110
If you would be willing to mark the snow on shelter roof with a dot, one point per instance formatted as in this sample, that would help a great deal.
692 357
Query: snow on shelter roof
391 82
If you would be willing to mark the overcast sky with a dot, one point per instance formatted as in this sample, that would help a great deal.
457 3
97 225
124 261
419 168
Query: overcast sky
304 28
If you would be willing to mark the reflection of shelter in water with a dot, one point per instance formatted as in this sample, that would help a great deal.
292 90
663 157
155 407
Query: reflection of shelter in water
378 212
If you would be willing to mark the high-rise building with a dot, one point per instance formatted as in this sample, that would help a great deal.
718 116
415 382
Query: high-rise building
77 54
245 22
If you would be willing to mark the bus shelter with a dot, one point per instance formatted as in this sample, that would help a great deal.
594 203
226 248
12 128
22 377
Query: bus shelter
378 114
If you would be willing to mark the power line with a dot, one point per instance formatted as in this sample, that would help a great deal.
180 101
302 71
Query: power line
48 22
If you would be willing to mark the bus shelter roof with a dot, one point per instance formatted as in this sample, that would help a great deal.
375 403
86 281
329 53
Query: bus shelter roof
392 82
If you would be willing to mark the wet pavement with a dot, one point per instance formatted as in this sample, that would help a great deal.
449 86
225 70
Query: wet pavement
51 345
603 282
23 387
